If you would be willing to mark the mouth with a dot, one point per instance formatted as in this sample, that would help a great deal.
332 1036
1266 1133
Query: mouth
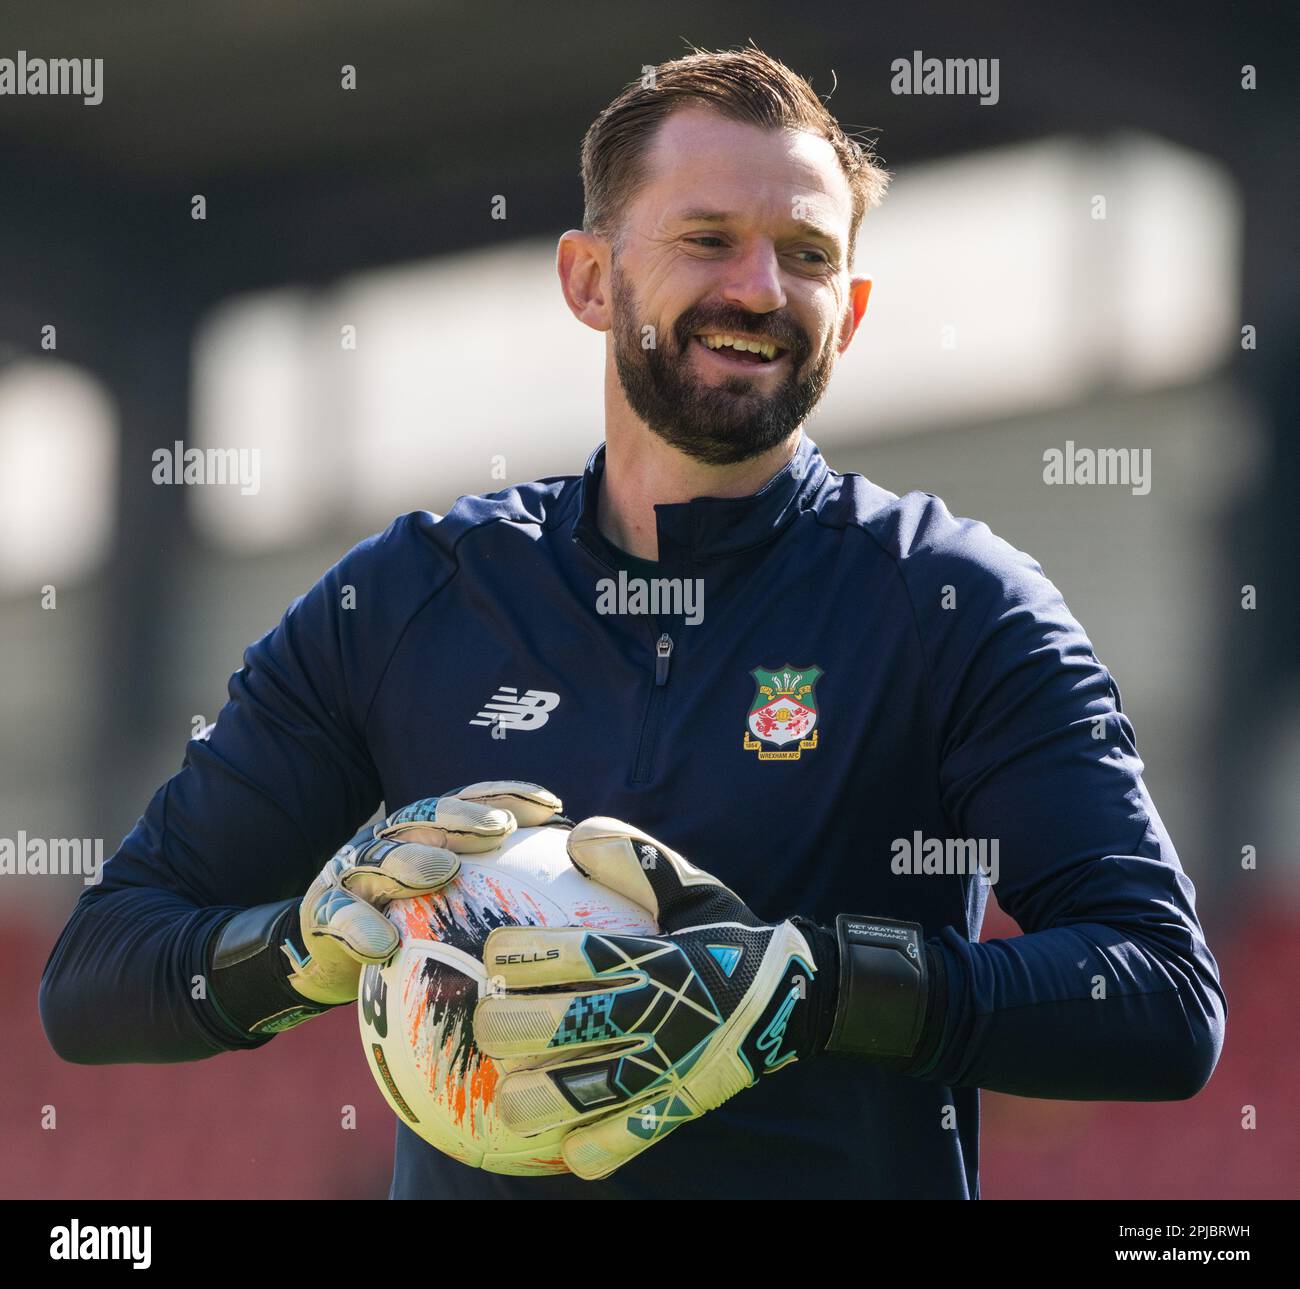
737 352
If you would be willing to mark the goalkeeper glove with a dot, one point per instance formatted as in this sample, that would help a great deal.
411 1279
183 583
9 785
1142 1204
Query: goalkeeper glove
626 1037
277 965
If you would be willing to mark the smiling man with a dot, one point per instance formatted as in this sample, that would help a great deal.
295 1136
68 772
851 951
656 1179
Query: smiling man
867 673
750 289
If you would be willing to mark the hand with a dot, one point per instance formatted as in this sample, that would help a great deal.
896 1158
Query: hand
412 852
638 1034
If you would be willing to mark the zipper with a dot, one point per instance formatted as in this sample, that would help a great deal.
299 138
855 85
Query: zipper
650 722
654 710
663 658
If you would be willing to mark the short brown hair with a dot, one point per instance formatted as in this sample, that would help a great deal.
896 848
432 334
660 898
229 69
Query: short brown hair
740 84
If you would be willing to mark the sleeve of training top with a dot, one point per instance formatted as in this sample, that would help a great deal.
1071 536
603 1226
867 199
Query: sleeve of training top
282 780
1112 992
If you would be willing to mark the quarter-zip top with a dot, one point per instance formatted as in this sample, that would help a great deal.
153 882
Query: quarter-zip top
874 693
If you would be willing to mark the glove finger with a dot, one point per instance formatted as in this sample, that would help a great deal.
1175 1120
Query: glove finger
653 875
597 1149
398 870
538 957
465 827
362 931
343 860
539 1100
619 1010
530 803
512 1026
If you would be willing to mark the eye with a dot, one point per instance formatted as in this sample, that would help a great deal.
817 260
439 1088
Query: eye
712 241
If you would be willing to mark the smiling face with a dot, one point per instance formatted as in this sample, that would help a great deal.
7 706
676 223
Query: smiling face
734 252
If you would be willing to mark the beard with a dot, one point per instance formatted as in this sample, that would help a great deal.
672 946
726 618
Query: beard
723 423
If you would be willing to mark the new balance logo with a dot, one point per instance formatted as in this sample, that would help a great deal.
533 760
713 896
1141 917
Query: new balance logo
510 710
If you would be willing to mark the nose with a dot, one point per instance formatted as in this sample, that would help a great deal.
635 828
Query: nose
753 279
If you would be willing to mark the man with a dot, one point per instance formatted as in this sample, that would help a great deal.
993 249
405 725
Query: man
865 674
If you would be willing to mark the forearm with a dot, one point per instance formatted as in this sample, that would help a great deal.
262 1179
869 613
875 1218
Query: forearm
1086 1012
127 981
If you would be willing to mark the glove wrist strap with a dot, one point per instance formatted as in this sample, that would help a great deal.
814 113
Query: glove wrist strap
883 985
249 974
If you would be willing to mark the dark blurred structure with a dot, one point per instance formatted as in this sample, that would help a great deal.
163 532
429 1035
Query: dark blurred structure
307 184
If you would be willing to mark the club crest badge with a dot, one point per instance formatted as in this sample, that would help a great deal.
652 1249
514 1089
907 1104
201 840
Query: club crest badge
783 713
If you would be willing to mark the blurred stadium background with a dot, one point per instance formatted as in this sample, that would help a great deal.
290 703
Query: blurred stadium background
1005 320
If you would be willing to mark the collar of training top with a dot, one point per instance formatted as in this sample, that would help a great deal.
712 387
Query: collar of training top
709 527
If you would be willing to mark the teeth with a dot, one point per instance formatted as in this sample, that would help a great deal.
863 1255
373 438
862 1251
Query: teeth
763 347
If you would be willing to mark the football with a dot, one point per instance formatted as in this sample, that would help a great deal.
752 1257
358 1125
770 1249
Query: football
416 1012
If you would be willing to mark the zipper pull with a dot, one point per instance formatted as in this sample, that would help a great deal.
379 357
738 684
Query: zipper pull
663 655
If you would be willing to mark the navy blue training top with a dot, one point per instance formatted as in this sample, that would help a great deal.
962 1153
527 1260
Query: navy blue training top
954 695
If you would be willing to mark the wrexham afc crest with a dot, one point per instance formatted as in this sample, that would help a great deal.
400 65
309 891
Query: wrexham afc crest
783 713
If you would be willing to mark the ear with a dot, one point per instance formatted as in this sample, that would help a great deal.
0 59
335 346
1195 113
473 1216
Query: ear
582 262
859 293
